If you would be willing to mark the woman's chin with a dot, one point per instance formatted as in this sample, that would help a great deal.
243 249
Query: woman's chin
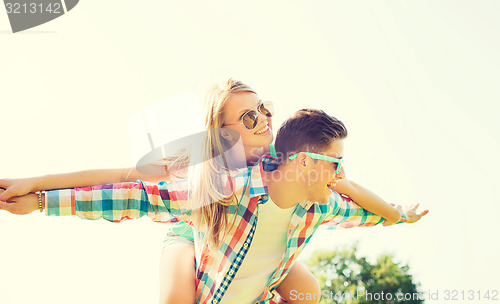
263 140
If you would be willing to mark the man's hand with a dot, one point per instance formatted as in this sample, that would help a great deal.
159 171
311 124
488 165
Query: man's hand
16 187
411 214
21 204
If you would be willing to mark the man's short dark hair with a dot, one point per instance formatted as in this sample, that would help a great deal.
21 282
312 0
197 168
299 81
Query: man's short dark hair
308 130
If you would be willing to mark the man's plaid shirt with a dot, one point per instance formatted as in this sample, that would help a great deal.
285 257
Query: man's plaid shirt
167 202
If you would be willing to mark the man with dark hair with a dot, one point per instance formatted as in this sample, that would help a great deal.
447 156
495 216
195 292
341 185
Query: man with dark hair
309 147
308 130
277 213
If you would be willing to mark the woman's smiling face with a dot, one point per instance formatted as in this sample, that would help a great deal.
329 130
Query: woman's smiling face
237 105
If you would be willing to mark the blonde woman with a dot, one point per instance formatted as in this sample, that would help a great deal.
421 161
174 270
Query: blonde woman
232 105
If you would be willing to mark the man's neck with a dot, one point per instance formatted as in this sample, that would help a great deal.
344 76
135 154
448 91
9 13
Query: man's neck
285 190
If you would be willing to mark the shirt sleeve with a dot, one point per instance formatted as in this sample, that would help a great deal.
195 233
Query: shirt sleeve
163 202
347 214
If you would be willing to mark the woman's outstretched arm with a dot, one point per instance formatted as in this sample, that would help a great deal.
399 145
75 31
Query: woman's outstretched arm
21 186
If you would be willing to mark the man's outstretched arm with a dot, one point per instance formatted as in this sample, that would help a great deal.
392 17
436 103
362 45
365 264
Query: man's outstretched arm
112 202
346 214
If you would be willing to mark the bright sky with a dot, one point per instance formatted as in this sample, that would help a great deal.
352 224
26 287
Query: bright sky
416 83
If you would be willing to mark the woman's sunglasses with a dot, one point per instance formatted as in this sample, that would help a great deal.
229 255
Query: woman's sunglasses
250 118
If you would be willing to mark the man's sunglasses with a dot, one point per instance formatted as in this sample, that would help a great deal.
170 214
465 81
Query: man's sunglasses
251 117
338 161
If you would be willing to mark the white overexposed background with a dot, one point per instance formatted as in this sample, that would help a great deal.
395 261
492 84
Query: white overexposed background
416 83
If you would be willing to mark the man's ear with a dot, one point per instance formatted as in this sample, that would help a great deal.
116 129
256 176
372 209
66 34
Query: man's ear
302 159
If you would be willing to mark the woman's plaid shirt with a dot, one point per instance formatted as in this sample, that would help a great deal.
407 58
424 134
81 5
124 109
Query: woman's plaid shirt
167 202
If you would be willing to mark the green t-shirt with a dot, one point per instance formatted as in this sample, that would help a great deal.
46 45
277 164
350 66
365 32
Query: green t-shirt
183 229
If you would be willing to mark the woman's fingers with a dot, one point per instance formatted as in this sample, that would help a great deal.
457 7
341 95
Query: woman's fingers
15 187
5 194
4 184
3 204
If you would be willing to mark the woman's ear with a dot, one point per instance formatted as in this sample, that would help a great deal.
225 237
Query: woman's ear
226 135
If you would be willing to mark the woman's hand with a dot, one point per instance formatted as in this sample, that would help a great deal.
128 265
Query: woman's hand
23 204
16 187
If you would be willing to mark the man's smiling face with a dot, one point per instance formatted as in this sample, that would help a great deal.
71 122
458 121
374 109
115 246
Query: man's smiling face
322 173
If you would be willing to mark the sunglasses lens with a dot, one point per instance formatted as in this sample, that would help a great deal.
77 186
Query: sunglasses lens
250 119
266 108
338 167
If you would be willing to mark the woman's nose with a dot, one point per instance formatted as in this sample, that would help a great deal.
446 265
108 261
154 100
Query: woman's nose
261 117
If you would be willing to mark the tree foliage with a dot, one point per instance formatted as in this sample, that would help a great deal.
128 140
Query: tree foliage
347 278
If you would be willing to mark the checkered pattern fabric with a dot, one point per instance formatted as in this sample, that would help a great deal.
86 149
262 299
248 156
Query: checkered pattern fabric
167 202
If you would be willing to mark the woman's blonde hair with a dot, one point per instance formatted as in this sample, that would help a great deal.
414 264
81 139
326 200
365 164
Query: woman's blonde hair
212 194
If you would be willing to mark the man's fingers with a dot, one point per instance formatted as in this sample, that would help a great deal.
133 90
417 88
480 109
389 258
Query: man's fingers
10 207
424 212
5 206
413 207
421 214
14 208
